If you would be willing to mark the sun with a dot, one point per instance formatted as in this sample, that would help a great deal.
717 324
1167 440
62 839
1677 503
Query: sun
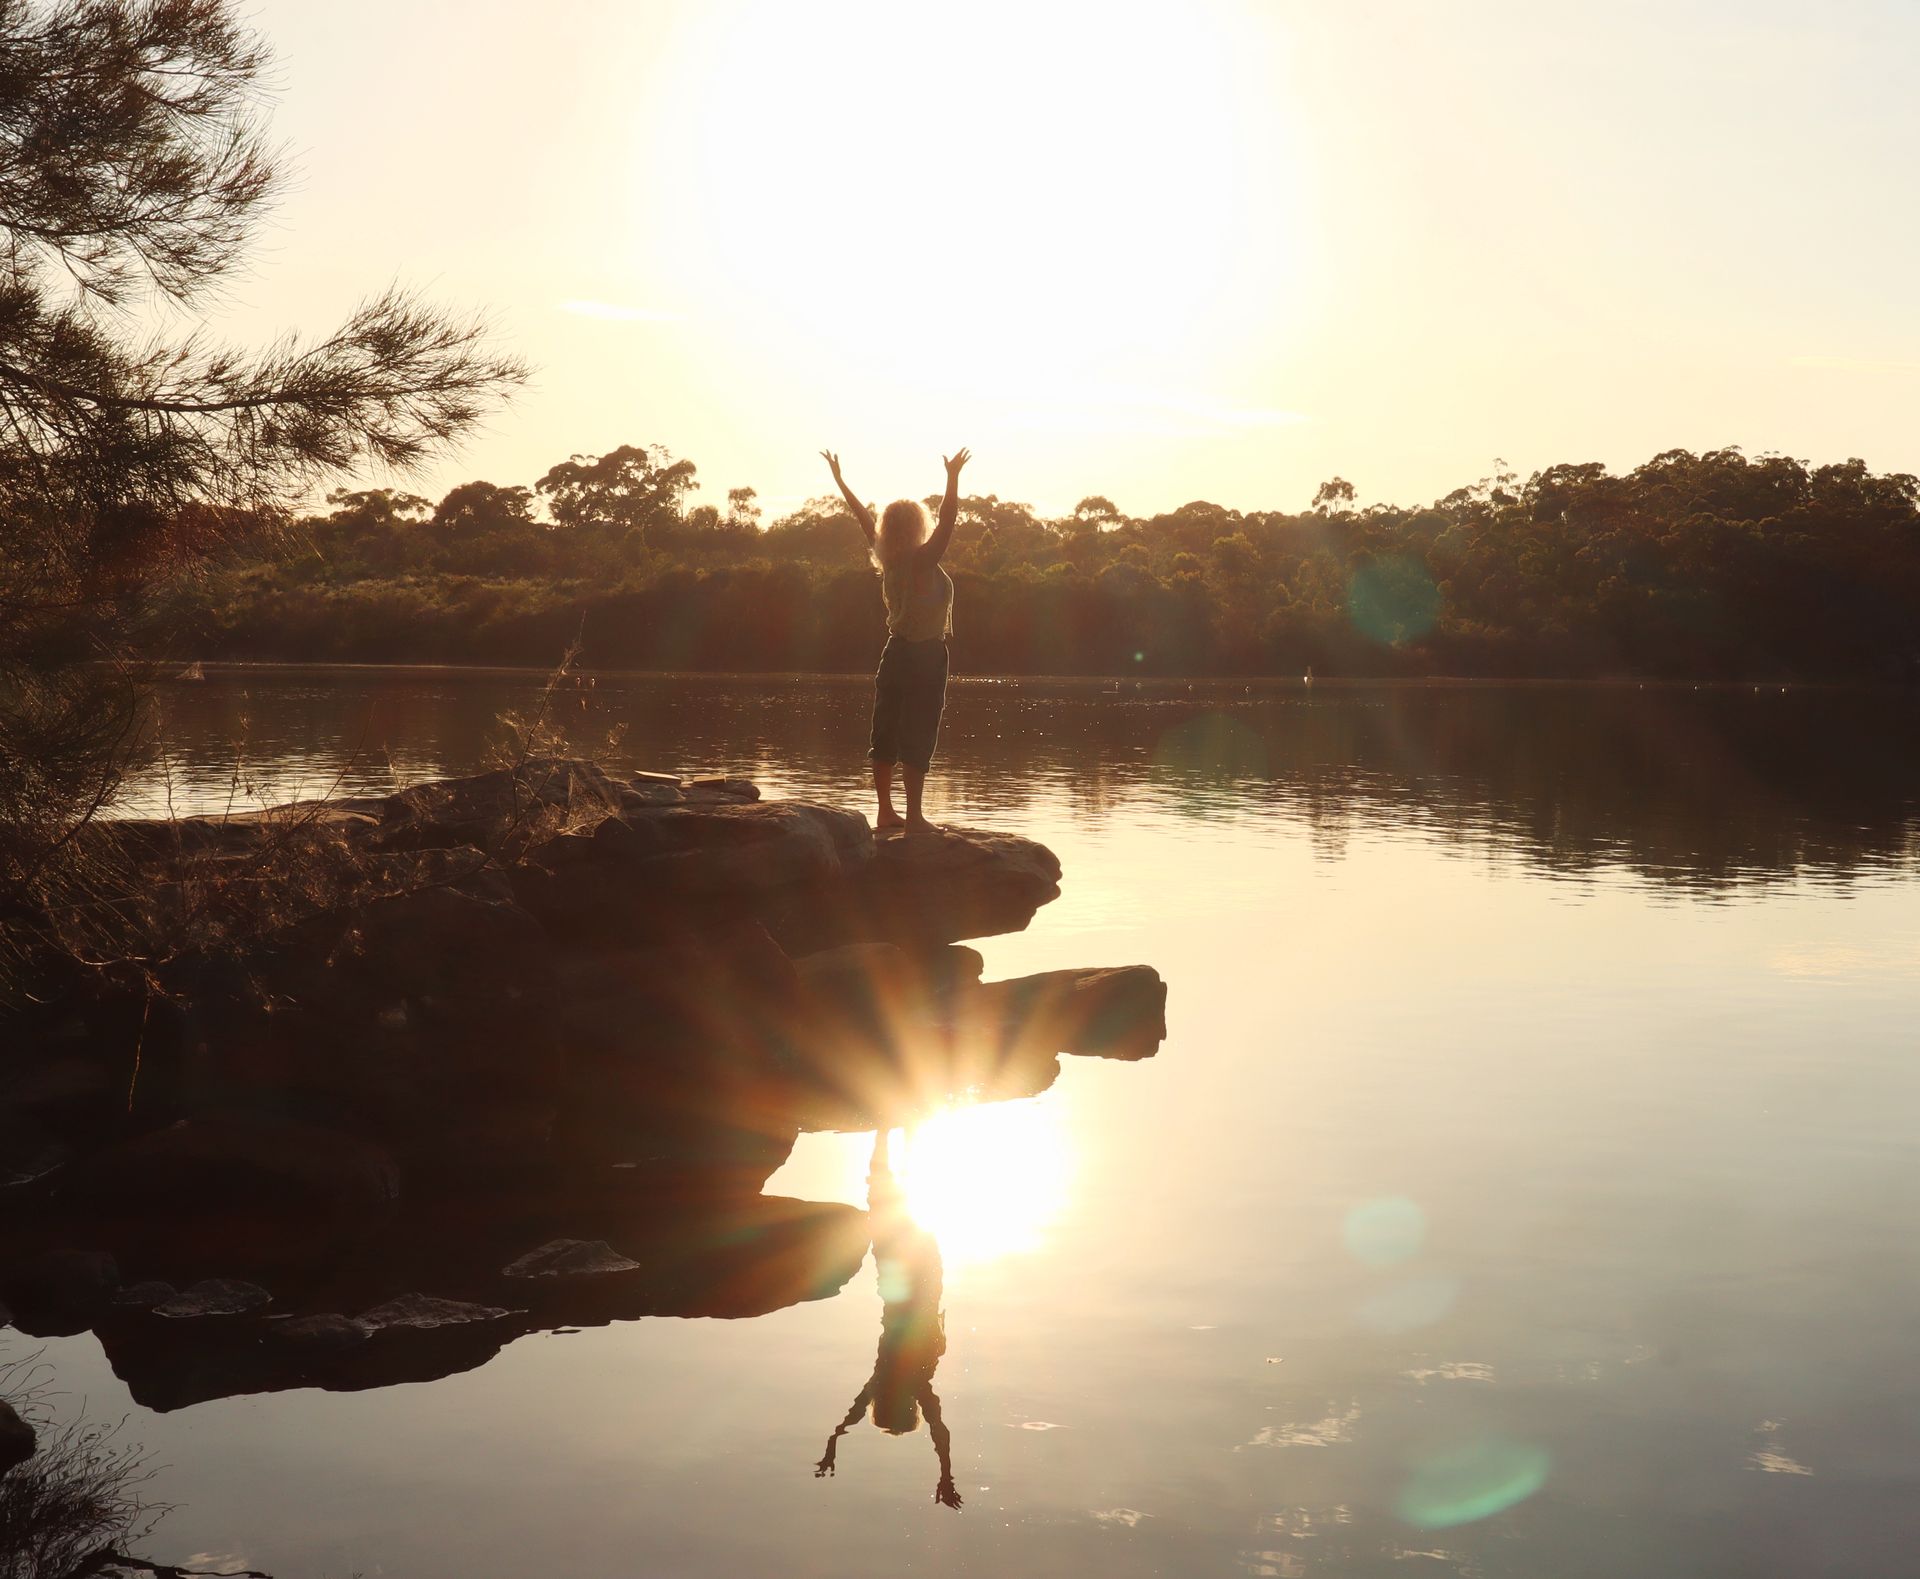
1027 198
987 1180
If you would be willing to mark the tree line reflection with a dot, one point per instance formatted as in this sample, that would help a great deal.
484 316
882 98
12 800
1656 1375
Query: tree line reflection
1698 788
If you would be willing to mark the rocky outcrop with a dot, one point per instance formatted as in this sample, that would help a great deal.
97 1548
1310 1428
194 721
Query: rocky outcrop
525 1055
1108 1013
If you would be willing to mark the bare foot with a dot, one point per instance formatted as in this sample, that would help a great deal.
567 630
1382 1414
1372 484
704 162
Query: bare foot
920 825
889 819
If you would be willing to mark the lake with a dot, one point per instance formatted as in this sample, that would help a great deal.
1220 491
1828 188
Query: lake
1527 1185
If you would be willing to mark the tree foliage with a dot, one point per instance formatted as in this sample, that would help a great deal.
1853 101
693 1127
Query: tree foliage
1715 565
133 170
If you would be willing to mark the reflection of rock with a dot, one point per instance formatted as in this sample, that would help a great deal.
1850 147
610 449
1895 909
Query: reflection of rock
899 1033
214 1296
59 1292
1115 1013
144 1295
411 1314
229 1192
751 1257
571 1258
625 1259
16 1438
312 1340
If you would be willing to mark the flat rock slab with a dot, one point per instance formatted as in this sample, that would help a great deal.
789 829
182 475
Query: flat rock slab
922 889
424 1313
717 787
143 1295
327 1334
569 1258
499 810
214 1296
1119 1012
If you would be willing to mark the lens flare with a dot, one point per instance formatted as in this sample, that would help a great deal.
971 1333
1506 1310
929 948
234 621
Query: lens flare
987 1180
1393 600
1472 1481
1383 1232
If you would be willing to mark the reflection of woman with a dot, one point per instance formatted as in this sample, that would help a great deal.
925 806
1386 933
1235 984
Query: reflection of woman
911 687
913 1329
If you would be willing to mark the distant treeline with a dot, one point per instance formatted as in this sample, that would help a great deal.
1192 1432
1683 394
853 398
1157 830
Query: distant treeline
1690 566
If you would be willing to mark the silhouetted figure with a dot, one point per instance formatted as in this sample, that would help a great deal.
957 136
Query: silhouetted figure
910 688
913 1329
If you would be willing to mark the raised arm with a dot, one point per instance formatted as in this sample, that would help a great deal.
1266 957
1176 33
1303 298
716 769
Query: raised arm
825 1467
936 545
860 512
945 1493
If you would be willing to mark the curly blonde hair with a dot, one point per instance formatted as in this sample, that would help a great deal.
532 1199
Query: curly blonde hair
903 528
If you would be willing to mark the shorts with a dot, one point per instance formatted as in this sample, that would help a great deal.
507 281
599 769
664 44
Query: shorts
908 694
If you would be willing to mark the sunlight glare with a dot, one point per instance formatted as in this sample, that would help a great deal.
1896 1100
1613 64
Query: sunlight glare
987 1180
1015 200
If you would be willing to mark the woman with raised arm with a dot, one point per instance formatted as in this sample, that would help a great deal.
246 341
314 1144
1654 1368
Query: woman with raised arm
911 686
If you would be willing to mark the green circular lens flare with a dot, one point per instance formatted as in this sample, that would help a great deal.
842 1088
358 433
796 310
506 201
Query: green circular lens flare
1393 600
1381 1232
1474 1481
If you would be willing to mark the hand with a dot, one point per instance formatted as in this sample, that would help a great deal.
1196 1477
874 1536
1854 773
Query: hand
946 1495
833 463
955 462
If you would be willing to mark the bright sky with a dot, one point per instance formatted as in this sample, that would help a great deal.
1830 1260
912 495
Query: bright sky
1215 249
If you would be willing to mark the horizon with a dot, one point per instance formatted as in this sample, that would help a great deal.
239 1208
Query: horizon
1587 289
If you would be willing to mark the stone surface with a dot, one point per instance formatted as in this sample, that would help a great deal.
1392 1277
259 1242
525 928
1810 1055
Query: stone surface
505 810
934 888
716 787
569 1258
426 1313
330 1334
1101 1013
214 1296
143 1295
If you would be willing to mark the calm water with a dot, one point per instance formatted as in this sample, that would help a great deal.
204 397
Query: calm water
1527 1186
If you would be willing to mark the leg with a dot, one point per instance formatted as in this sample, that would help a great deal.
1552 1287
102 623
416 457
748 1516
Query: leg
916 780
884 746
885 816
920 730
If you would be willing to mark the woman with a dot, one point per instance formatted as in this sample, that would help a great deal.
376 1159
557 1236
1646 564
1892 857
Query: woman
911 686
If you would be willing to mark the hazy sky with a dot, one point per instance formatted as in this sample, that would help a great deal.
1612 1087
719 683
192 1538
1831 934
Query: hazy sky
1214 249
